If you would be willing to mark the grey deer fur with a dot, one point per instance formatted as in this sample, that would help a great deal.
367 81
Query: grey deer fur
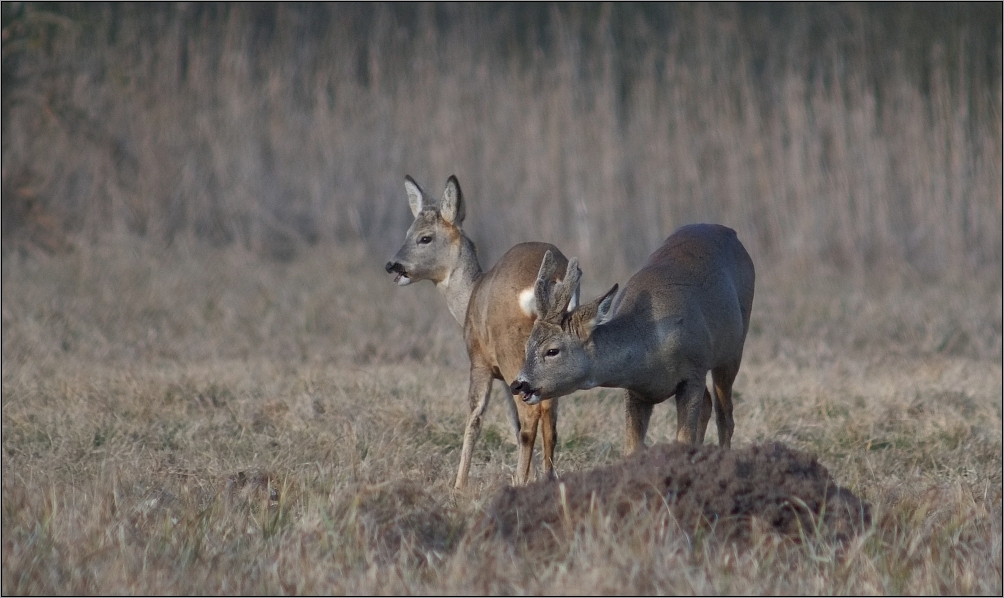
684 313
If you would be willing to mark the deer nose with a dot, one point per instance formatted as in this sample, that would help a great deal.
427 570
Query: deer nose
518 386
389 267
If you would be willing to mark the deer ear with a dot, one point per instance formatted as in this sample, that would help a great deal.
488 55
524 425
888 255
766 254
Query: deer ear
416 197
542 287
451 208
593 314
605 306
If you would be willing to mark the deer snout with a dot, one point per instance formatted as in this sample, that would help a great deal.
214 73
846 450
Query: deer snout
522 388
402 277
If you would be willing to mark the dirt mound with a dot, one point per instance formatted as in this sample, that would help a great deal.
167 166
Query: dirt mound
703 486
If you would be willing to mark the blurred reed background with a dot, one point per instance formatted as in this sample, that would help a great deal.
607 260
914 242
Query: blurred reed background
855 135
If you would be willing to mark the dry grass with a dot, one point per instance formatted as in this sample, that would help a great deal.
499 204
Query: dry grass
201 420
219 391
853 134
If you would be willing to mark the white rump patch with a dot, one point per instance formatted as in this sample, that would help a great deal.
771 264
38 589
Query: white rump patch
527 302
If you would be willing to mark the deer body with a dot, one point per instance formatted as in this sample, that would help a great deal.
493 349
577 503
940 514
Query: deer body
497 309
686 312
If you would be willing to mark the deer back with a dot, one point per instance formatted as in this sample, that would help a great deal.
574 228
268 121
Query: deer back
697 288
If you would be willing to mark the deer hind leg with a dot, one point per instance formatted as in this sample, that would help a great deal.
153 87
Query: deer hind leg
529 416
723 377
478 393
638 412
549 430
690 410
706 408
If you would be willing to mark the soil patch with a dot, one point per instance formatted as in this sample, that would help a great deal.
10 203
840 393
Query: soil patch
703 487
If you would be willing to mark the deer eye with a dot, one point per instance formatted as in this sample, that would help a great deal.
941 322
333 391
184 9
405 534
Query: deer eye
551 353
425 240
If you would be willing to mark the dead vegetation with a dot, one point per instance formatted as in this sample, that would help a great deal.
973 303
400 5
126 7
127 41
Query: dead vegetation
210 386
199 420
863 135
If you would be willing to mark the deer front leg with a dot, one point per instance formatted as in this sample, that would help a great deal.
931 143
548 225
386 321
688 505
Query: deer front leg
478 393
549 429
638 412
529 416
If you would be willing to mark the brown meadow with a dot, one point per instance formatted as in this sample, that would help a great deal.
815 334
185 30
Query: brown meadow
210 385
203 420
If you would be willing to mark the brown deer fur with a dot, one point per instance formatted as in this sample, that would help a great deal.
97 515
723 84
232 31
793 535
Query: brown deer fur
496 308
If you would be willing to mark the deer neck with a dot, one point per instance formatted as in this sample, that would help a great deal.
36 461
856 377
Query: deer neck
616 355
459 282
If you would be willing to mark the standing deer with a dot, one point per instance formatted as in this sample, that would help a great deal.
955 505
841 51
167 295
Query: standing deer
684 313
496 308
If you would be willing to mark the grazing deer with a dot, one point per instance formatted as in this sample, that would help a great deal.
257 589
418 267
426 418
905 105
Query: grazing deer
684 313
496 308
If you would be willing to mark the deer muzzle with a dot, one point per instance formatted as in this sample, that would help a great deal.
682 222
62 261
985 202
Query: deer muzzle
401 272
522 388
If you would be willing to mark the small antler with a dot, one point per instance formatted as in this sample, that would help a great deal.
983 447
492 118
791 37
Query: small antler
554 297
564 291
545 281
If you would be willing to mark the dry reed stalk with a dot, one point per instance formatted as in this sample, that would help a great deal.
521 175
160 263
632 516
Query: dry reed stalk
862 136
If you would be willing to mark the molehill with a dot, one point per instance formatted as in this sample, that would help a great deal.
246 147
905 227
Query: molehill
704 488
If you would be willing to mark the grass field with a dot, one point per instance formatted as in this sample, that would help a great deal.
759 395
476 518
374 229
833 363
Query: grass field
210 386
202 420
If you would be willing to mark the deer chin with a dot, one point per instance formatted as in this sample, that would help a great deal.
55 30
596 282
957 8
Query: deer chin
402 279
531 397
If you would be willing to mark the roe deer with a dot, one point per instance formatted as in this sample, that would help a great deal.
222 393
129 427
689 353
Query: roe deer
684 313
496 308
